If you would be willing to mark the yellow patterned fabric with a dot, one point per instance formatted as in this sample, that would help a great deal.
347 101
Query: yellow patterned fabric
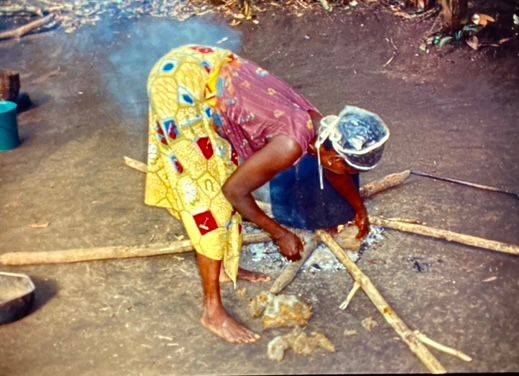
188 162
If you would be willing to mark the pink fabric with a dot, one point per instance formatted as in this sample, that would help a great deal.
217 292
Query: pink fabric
257 106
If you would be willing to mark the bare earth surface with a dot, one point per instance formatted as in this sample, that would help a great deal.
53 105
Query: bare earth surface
453 113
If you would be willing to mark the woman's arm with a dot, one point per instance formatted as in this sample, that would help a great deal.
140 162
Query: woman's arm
343 183
278 155
338 173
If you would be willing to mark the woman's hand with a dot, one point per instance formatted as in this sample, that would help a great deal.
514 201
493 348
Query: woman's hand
290 245
362 223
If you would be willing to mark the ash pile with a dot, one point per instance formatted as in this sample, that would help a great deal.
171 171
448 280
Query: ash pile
266 256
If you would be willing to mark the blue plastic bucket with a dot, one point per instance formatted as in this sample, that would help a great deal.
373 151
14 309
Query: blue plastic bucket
9 138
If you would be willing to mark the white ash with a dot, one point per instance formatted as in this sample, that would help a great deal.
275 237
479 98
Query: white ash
322 259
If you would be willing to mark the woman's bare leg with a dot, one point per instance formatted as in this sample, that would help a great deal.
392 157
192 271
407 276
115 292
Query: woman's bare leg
245 275
215 318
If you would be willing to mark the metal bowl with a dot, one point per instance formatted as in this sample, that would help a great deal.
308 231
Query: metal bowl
16 296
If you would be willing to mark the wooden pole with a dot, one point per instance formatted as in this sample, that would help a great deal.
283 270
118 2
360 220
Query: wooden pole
116 252
437 233
27 28
408 336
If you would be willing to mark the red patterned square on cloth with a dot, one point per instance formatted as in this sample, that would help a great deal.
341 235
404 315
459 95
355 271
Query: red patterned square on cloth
205 147
205 222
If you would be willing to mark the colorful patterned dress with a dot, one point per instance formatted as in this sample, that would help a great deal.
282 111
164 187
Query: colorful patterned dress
188 162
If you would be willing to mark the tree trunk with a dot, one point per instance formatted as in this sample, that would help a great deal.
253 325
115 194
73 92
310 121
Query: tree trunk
9 85
453 13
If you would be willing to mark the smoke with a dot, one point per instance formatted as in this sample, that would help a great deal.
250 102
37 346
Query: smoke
123 52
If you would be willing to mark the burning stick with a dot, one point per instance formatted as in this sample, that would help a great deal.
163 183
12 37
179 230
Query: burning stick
409 337
291 270
104 253
27 28
473 241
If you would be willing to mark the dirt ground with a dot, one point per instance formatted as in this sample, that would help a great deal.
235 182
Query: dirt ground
452 112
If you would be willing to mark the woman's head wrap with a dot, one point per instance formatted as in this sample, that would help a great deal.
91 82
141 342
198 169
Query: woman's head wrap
357 135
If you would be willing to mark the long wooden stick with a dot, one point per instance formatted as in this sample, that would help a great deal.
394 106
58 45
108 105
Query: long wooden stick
291 270
22 30
116 252
467 183
408 336
437 233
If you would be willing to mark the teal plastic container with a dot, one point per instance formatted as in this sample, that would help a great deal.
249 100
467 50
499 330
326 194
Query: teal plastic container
9 138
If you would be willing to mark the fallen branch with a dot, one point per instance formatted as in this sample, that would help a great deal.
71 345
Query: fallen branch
291 270
116 252
409 337
437 233
27 28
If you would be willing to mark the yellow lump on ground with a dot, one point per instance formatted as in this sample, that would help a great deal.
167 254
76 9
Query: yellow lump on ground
369 324
299 342
346 238
276 348
259 303
280 310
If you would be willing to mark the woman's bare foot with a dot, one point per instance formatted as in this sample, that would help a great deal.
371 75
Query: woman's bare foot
245 275
225 326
